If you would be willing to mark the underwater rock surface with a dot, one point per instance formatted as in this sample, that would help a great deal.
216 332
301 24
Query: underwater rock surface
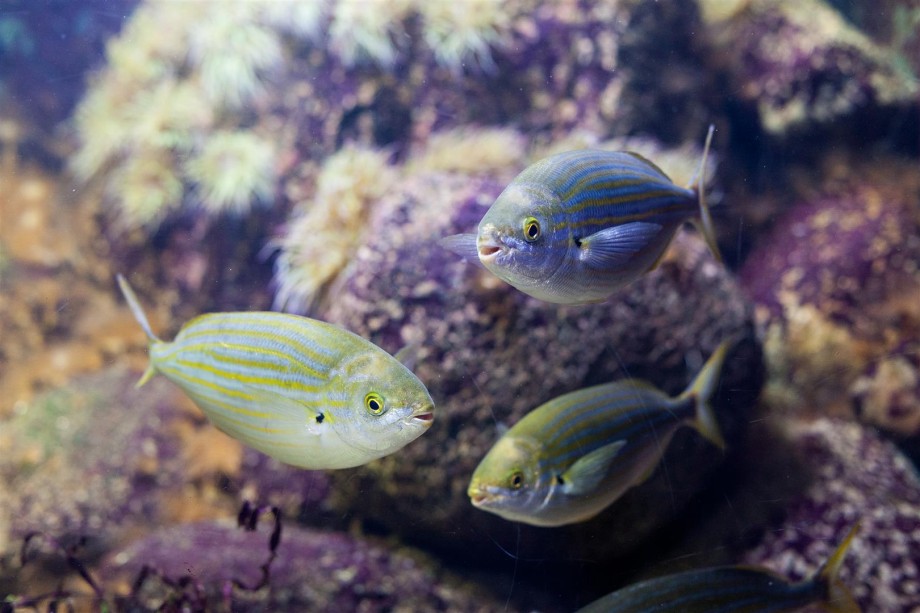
313 571
854 476
837 283
100 459
489 354
89 459
801 64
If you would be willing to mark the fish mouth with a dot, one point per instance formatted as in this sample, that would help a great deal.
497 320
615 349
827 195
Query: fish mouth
488 251
422 415
478 496
489 245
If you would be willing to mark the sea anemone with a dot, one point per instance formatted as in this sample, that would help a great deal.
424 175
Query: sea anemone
149 119
327 231
461 32
232 170
299 19
366 30
146 187
232 53
470 150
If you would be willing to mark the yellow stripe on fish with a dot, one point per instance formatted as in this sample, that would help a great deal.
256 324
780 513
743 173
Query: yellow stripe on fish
574 227
300 390
571 457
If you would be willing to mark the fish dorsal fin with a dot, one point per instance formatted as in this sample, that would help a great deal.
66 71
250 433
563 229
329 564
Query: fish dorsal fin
614 246
589 470
652 164
408 356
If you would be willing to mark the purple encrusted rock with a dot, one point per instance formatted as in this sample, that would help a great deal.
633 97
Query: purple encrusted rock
101 459
548 68
489 354
836 282
854 476
90 459
312 571
297 492
801 64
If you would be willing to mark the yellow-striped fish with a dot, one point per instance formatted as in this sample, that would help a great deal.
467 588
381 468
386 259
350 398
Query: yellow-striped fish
734 589
574 227
571 457
303 391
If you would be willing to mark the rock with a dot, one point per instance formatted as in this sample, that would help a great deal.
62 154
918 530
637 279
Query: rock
489 354
854 476
802 65
313 571
89 459
836 282
100 459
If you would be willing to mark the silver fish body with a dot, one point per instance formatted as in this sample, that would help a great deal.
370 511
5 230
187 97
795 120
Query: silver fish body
303 391
573 456
574 227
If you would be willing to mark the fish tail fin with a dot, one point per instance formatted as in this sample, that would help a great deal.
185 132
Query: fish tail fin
838 599
135 306
704 223
702 389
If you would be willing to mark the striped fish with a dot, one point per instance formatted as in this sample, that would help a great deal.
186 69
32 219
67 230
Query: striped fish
731 589
574 227
571 457
300 390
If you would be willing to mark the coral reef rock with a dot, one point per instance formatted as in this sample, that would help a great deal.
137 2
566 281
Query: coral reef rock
854 476
836 283
489 354
801 63
313 571
101 459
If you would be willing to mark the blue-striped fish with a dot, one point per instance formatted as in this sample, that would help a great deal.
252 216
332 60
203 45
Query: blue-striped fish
734 589
574 227
571 457
303 391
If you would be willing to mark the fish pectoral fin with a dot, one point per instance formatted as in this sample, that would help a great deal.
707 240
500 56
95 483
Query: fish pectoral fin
614 246
588 471
647 474
285 412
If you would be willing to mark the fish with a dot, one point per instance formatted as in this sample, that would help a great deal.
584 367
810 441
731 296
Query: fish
727 589
303 391
571 457
574 227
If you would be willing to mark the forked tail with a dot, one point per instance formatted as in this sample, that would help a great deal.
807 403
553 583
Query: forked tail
701 391
141 318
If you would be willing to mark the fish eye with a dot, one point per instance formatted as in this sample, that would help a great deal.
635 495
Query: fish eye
517 480
531 229
374 403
